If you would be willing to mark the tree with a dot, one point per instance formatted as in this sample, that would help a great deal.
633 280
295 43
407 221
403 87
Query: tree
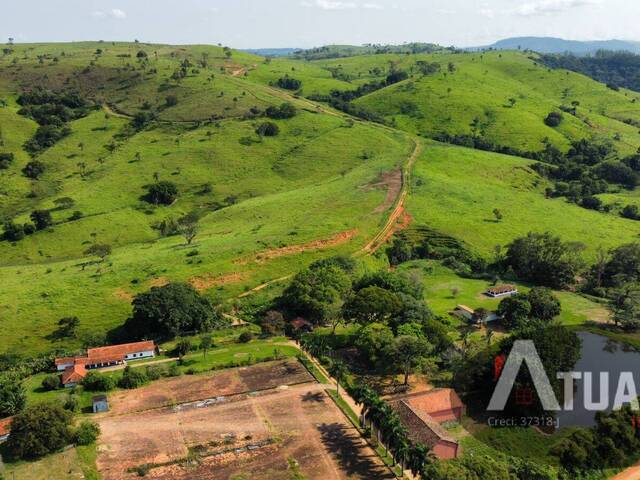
39 430
162 193
409 351
99 250
86 433
97 382
189 227
272 323
132 378
13 397
34 169
41 219
183 347
375 343
284 111
315 292
544 304
206 342
553 119
631 212
498 214
13 232
545 259
64 203
267 129
622 266
339 371
289 83
625 304
170 310
51 382
371 304
514 310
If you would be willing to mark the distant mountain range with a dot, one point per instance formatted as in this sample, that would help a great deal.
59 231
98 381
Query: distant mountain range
271 52
559 45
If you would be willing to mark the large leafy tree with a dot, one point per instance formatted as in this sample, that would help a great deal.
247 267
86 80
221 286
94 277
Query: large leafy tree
372 304
169 310
545 260
38 430
409 351
375 343
317 292
544 304
514 310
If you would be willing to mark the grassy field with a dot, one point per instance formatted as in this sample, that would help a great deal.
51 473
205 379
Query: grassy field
248 191
455 191
441 282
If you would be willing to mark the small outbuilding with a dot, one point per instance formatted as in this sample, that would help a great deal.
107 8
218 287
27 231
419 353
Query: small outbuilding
501 291
100 404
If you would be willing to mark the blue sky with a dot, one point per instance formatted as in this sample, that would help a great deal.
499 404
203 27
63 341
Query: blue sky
307 23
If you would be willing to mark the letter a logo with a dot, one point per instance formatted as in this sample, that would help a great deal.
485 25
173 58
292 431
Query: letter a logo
523 351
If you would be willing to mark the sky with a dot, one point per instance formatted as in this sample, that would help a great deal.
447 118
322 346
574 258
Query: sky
309 23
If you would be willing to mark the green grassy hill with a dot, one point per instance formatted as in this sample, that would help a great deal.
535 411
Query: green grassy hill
481 87
267 205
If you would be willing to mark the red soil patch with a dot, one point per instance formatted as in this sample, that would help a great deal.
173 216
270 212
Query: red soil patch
159 282
123 295
207 282
392 182
337 239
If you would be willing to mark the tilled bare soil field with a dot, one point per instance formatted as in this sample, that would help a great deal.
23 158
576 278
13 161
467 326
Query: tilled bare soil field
283 433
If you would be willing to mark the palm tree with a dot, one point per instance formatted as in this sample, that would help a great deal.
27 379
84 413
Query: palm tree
339 371
419 456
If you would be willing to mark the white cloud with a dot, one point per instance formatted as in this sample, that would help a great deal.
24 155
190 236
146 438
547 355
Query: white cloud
330 4
486 11
372 6
549 7
447 11
114 13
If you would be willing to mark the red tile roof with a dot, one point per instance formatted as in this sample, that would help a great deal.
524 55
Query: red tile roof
5 426
73 374
65 360
124 349
434 401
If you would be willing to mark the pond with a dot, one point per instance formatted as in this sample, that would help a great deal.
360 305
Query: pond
599 354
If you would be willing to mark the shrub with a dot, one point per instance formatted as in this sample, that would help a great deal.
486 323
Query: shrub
51 382
267 129
154 372
553 119
162 193
41 219
630 211
86 433
289 83
6 159
171 101
132 378
284 111
71 403
97 382
34 169
245 337
13 232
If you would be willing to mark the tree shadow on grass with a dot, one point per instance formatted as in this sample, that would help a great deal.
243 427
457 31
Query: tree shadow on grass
348 448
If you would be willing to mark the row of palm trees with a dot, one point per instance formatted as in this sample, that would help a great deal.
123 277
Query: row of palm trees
377 414
390 433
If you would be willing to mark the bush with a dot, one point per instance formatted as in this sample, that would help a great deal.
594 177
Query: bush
41 219
97 382
86 433
13 232
289 83
245 337
630 211
162 193
154 372
51 382
71 403
171 101
284 111
268 129
34 169
553 119
6 159
132 378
